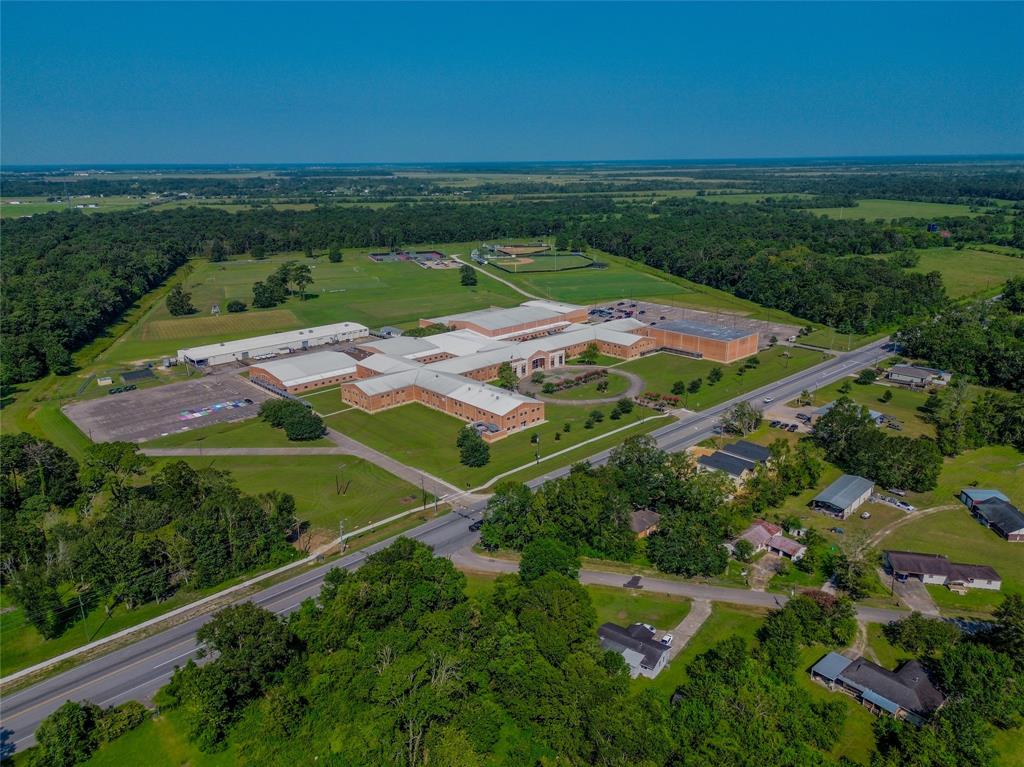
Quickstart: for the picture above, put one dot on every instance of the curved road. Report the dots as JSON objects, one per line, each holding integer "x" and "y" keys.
{"x": 140, "y": 669}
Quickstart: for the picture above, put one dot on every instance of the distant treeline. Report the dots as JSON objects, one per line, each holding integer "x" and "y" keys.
{"x": 68, "y": 275}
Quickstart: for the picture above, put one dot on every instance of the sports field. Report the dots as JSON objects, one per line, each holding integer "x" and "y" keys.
{"x": 660, "y": 371}
{"x": 970, "y": 272}
{"x": 890, "y": 209}
{"x": 542, "y": 262}
{"x": 419, "y": 436}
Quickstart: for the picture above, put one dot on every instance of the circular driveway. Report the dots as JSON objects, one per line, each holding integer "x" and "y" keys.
{"x": 636, "y": 385}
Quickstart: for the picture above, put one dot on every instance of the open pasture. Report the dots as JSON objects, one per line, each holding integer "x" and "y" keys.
{"x": 969, "y": 272}
{"x": 890, "y": 209}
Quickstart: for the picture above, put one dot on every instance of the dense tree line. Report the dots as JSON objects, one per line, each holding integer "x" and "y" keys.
{"x": 983, "y": 341}
{"x": 853, "y": 442}
{"x": 394, "y": 665}
{"x": 104, "y": 535}
{"x": 68, "y": 275}
{"x": 589, "y": 509}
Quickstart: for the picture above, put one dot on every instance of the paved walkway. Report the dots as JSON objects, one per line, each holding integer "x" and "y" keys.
{"x": 493, "y": 276}
{"x": 636, "y": 386}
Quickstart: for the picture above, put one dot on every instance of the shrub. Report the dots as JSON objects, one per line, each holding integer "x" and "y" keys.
{"x": 235, "y": 306}
{"x": 473, "y": 451}
{"x": 867, "y": 376}
{"x": 299, "y": 422}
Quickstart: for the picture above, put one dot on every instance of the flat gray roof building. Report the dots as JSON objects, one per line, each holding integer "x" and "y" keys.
{"x": 689, "y": 327}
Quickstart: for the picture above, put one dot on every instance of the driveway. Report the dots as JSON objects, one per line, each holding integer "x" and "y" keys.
{"x": 912, "y": 593}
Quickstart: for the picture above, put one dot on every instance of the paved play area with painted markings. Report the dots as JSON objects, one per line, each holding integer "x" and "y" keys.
{"x": 145, "y": 414}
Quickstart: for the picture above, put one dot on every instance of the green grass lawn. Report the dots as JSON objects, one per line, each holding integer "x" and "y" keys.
{"x": 969, "y": 272}
{"x": 661, "y": 370}
{"x": 425, "y": 438}
{"x": 617, "y": 385}
{"x": 357, "y": 290}
{"x": 885, "y": 654}
{"x": 628, "y": 606}
{"x": 724, "y": 622}
{"x": 890, "y": 209}
{"x": 370, "y": 493}
{"x": 327, "y": 401}
{"x": 903, "y": 405}
{"x": 857, "y": 739}
{"x": 253, "y": 432}
{"x": 160, "y": 742}
{"x": 543, "y": 262}
{"x": 827, "y": 338}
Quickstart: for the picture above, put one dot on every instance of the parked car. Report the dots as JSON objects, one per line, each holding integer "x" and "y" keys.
{"x": 836, "y": 530}
{"x": 897, "y": 491}
{"x": 667, "y": 640}
{"x": 649, "y": 627}
{"x": 476, "y": 525}
{"x": 803, "y": 417}
{"x": 793, "y": 427}
{"x": 115, "y": 390}
{"x": 642, "y": 311}
{"x": 129, "y": 387}
{"x": 865, "y": 515}
{"x": 775, "y": 424}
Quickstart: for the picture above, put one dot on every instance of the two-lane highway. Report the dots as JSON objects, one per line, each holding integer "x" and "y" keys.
{"x": 140, "y": 669}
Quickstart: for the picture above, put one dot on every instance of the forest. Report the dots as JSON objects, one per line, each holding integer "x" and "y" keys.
{"x": 102, "y": 534}
{"x": 393, "y": 664}
{"x": 67, "y": 276}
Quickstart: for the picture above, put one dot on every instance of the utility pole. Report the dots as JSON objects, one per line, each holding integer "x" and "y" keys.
{"x": 342, "y": 543}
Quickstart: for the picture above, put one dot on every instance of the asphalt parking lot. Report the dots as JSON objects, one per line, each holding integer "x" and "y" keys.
{"x": 145, "y": 414}
{"x": 648, "y": 312}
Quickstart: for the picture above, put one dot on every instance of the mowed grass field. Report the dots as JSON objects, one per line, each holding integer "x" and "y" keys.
{"x": 903, "y": 405}
{"x": 890, "y": 209}
{"x": 660, "y": 371}
{"x": 370, "y": 493}
{"x": 969, "y": 272}
{"x": 543, "y": 262}
{"x": 419, "y": 436}
{"x": 356, "y": 290}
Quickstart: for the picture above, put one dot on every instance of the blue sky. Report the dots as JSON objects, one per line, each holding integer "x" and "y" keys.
{"x": 389, "y": 82}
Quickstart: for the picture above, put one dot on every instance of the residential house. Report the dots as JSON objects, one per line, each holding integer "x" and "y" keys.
{"x": 936, "y": 569}
{"x": 764, "y": 536}
{"x": 748, "y": 451}
{"x": 643, "y": 522}
{"x": 907, "y": 693}
{"x": 994, "y": 510}
{"x": 636, "y": 644}
{"x": 738, "y": 469}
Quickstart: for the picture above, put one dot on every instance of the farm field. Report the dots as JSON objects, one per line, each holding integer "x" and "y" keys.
{"x": 969, "y": 272}
{"x": 890, "y": 209}
{"x": 31, "y": 206}
{"x": 370, "y": 493}
{"x": 425, "y": 438}
{"x": 253, "y": 432}
{"x": 661, "y": 370}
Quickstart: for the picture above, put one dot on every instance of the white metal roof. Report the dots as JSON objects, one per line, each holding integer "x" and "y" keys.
{"x": 465, "y": 390}
{"x": 496, "y": 319}
{"x": 307, "y": 368}
{"x": 386, "y": 363}
{"x": 553, "y": 306}
{"x": 402, "y": 346}
{"x": 282, "y": 340}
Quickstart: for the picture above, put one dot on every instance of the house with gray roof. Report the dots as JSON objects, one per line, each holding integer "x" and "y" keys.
{"x": 994, "y": 510}
{"x": 844, "y": 496}
{"x": 748, "y": 451}
{"x": 738, "y": 469}
{"x": 936, "y": 569}
{"x": 644, "y": 655}
{"x": 907, "y": 693}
